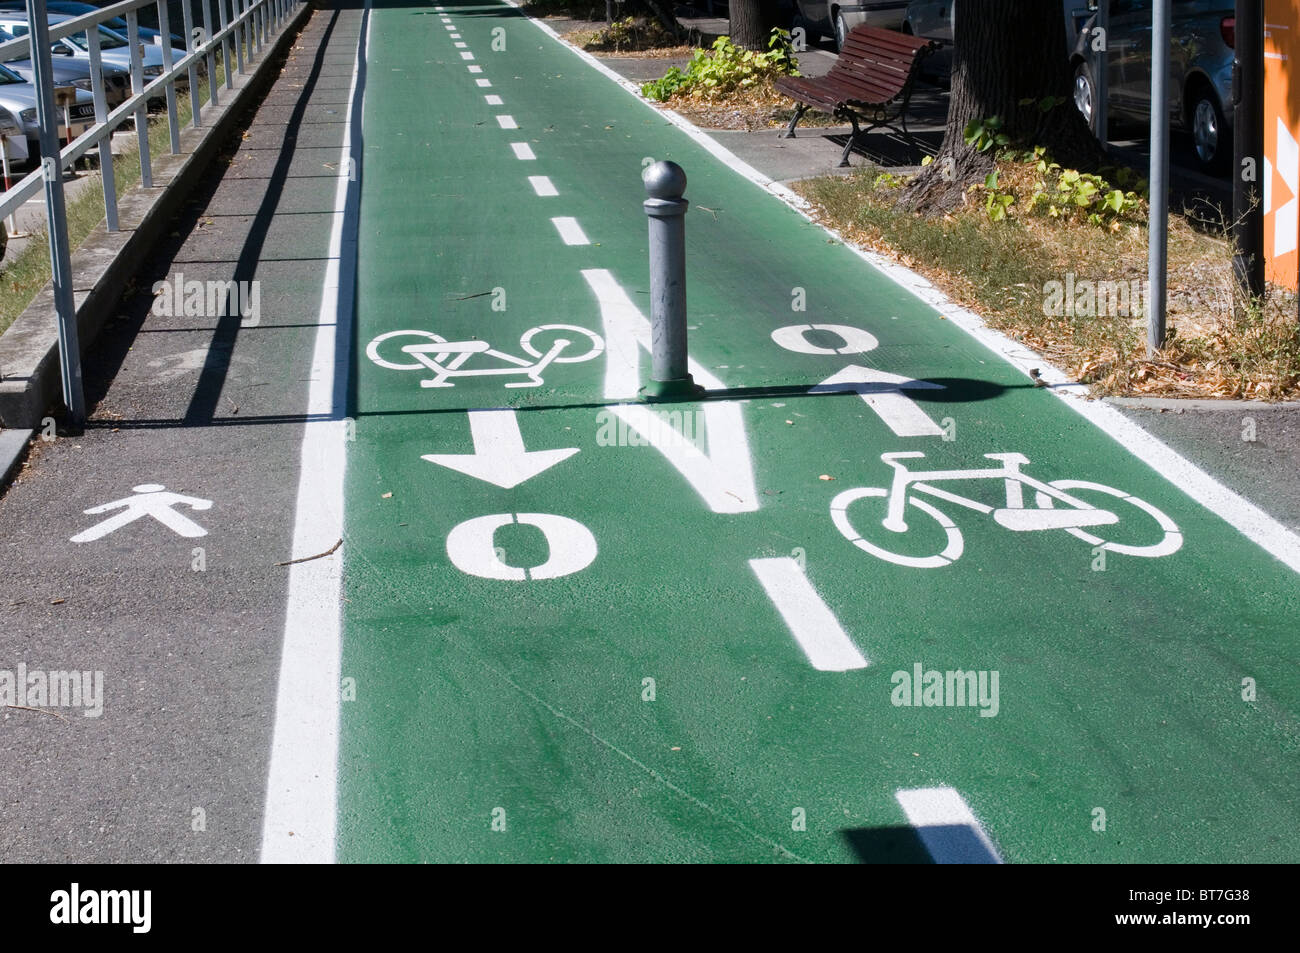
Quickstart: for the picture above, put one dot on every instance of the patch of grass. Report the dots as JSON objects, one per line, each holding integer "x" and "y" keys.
{"x": 1004, "y": 270}
{"x": 25, "y": 274}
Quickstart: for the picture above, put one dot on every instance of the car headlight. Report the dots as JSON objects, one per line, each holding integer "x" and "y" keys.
{"x": 28, "y": 115}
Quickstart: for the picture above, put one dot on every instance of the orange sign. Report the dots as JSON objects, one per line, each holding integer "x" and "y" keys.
{"x": 1281, "y": 142}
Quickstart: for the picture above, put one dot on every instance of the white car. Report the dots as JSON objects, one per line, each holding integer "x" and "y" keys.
{"x": 835, "y": 20}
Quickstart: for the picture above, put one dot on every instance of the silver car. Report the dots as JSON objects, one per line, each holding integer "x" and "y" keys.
{"x": 835, "y": 20}
{"x": 114, "y": 48}
{"x": 72, "y": 72}
{"x": 1200, "y": 78}
{"x": 19, "y": 97}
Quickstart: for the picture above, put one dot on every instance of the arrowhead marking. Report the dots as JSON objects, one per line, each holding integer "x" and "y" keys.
{"x": 499, "y": 456}
{"x": 883, "y": 393}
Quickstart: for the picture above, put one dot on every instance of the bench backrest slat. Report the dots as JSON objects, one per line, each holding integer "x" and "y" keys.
{"x": 875, "y": 65}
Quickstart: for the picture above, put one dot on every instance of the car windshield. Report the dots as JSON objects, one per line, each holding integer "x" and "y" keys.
{"x": 8, "y": 76}
{"x": 108, "y": 40}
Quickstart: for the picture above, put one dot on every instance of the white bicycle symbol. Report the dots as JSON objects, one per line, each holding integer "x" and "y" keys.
{"x": 1015, "y": 515}
{"x": 447, "y": 358}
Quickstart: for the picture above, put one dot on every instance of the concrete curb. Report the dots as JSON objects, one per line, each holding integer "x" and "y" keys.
{"x": 1181, "y": 404}
{"x": 106, "y": 261}
{"x": 13, "y": 443}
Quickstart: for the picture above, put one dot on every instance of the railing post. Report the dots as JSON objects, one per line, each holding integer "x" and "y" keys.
{"x": 106, "y": 176}
{"x": 142, "y": 110}
{"x": 225, "y": 44}
{"x": 173, "y": 122}
{"x": 212, "y": 53}
{"x": 56, "y": 218}
{"x": 665, "y": 183}
{"x": 196, "y": 106}
{"x": 236, "y": 11}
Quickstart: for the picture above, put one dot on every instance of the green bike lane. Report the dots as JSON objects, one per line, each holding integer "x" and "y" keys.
{"x": 651, "y": 701}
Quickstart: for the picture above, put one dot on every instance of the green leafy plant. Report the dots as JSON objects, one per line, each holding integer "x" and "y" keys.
{"x": 725, "y": 68}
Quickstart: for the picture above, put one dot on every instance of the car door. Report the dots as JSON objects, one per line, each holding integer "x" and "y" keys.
{"x": 1129, "y": 45}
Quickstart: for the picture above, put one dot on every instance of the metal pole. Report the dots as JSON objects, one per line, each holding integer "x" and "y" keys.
{"x": 56, "y": 218}
{"x": 665, "y": 183}
{"x": 1248, "y": 152}
{"x": 1157, "y": 227}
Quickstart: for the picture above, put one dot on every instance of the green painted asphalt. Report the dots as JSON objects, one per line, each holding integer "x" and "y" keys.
{"x": 501, "y": 720}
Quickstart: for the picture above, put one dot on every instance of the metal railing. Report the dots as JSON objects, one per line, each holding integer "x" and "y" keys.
{"x": 244, "y": 27}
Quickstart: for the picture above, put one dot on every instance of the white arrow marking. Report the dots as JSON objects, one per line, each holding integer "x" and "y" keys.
{"x": 882, "y": 392}
{"x": 499, "y": 456}
{"x": 724, "y": 477}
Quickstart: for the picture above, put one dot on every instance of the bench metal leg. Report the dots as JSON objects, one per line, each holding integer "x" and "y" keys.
{"x": 794, "y": 121}
{"x": 848, "y": 146}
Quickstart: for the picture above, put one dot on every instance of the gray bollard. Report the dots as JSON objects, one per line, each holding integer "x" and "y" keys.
{"x": 665, "y": 182}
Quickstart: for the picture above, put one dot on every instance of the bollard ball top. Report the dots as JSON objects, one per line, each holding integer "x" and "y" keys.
{"x": 664, "y": 180}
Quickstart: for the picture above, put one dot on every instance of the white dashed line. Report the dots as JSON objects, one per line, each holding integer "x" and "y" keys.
{"x": 467, "y": 56}
{"x": 947, "y": 826}
{"x": 461, "y": 45}
{"x": 484, "y": 82}
{"x": 522, "y": 150}
{"x": 475, "y": 69}
{"x": 455, "y": 36}
{"x": 809, "y": 619}
{"x": 570, "y": 231}
{"x": 542, "y": 186}
{"x": 507, "y": 122}
{"x": 493, "y": 100}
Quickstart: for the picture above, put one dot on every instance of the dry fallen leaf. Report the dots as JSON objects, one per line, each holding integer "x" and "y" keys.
{"x": 826, "y": 476}
{"x": 387, "y": 495}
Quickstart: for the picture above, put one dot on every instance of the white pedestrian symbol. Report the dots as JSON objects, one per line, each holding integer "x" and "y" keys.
{"x": 150, "y": 500}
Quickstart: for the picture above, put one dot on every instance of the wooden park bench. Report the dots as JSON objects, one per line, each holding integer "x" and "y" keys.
{"x": 870, "y": 82}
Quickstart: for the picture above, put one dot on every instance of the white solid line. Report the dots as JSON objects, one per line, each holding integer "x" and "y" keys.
{"x": 809, "y": 619}
{"x": 1248, "y": 519}
{"x": 483, "y": 83}
{"x": 475, "y": 69}
{"x": 947, "y": 826}
{"x": 542, "y": 185}
{"x": 492, "y": 99}
{"x": 507, "y": 122}
{"x": 570, "y": 231}
{"x": 467, "y": 56}
{"x": 522, "y": 150}
{"x": 299, "y": 822}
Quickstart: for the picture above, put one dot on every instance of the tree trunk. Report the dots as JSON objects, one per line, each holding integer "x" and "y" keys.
{"x": 1005, "y": 52}
{"x": 752, "y": 22}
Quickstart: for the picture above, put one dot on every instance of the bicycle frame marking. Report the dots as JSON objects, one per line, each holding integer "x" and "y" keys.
{"x": 1015, "y": 515}
{"x": 464, "y": 350}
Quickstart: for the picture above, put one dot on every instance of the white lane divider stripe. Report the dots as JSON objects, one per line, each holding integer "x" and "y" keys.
{"x": 507, "y": 122}
{"x": 570, "y": 231}
{"x": 461, "y": 45}
{"x": 483, "y": 83}
{"x": 475, "y": 69}
{"x": 947, "y": 826}
{"x": 810, "y": 620}
{"x": 492, "y": 99}
{"x": 523, "y": 150}
{"x": 467, "y": 56}
{"x": 542, "y": 186}
{"x": 299, "y": 819}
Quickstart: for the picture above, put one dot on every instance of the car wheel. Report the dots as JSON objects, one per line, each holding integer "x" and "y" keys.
{"x": 841, "y": 30}
{"x": 1209, "y": 131}
{"x": 1085, "y": 95}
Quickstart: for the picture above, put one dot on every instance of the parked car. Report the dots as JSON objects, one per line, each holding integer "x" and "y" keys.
{"x": 114, "y": 48}
{"x": 835, "y": 20}
{"x": 1200, "y": 79}
{"x": 72, "y": 72}
{"x": 72, "y": 9}
{"x": 19, "y": 97}
{"x": 933, "y": 19}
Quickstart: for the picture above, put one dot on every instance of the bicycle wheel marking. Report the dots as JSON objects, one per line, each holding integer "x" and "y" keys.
{"x": 951, "y": 552}
{"x": 1171, "y": 543}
